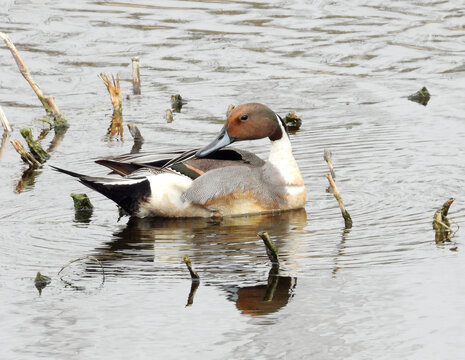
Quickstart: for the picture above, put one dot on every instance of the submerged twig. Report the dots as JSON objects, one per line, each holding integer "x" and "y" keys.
{"x": 47, "y": 101}
{"x": 135, "y": 76}
{"x": 337, "y": 195}
{"x": 194, "y": 275}
{"x": 4, "y": 120}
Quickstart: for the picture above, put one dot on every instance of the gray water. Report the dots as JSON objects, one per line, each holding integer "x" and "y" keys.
{"x": 383, "y": 289}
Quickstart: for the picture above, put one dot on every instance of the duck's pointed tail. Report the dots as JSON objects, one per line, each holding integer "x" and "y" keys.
{"x": 126, "y": 192}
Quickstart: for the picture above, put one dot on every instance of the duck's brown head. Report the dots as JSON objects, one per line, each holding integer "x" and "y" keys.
{"x": 247, "y": 122}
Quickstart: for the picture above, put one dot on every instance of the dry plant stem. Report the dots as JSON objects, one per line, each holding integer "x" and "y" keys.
{"x": 113, "y": 88}
{"x": 337, "y": 195}
{"x": 5, "y": 123}
{"x": 5, "y": 136}
{"x": 230, "y": 108}
{"x": 327, "y": 157}
{"x": 169, "y": 116}
{"x": 194, "y": 275}
{"x": 271, "y": 249}
{"x": 135, "y": 132}
{"x": 27, "y": 157}
{"x": 441, "y": 223}
{"x": 135, "y": 76}
{"x": 47, "y": 101}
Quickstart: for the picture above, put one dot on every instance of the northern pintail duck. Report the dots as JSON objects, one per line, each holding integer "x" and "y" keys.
{"x": 211, "y": 181}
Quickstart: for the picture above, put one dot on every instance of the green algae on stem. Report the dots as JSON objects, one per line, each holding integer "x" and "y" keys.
{"x": 441, "y": 223}
{"x": 41, "y": 281}
{"x": 422, "y": 96}
{"x": 177, "y": 102}
{"x": 34, "y": 146}
{"x": 271, "y": 249}
{"x": 293, "y": 122}
{"x": 81, "y": 202}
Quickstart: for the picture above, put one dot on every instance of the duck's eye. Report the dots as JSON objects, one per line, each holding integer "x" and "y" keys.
{"x": 244, "y": 117}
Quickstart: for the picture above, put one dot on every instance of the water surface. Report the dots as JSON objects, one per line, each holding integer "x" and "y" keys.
{"x": 382, "y": 289}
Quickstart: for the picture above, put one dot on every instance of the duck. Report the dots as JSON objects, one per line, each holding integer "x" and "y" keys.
{"x": 213, "y": 181}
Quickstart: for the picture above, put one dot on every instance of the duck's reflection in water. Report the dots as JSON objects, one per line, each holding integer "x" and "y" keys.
{"x": 226, "y": 248}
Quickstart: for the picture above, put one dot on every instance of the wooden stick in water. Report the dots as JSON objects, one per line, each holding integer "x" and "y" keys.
{"x": 47, "y": 101}
{"x": 135, "y": 76}
{"x": 337, "y": 195}
{"x": 271, "y": 249}
{"x": 27, "y": 157}
{"x": 327, "y": 157}
{"x": 4, "y": 120}
{"x": 194, "y": 275}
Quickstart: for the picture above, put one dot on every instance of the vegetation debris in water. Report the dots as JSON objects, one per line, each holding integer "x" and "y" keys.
{"x": 41, "y": 281}
{"x": 169, "y": 116}
{"x": 441, "y": 223}
{"x": 422, "y": 96}
{"x": 177, "y": 102}
{"x": 230, "y": 108}
{"x": 4, "y": 120}
{"x": 113, "y": 86}
{"x": 34, "y": 146}
{"x": 81, "y": 202}
{"x": 271, "y": 249}
{"x": 135, "y": 76}
{"x": 293, "y": 121}
{"x": 194, "y": 275}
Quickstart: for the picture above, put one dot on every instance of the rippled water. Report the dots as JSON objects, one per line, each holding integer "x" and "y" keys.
{"x": 382, "y": 289}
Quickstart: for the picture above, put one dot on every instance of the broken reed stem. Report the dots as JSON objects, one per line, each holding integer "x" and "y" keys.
{"x": 47, "y": 101}
{"x": 26, "y": 156}
{"x": 337, "y": 195}
{"x": 135, "y": 132}
{"x": 441, "y": 223}
{"x": 194, "y": 275}
{"x": 114, "y": 90}
{"x": 135, "y": 76}
{"x": 169, "y": 116}
{"x": 327, "y": 156}
{"x": 34, "y": 146}
{"x": 4, "y": 120}
{"x": 271, "y": 249}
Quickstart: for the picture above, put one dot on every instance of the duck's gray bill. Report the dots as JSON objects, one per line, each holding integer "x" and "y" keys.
{"x": 221, "y": 141}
